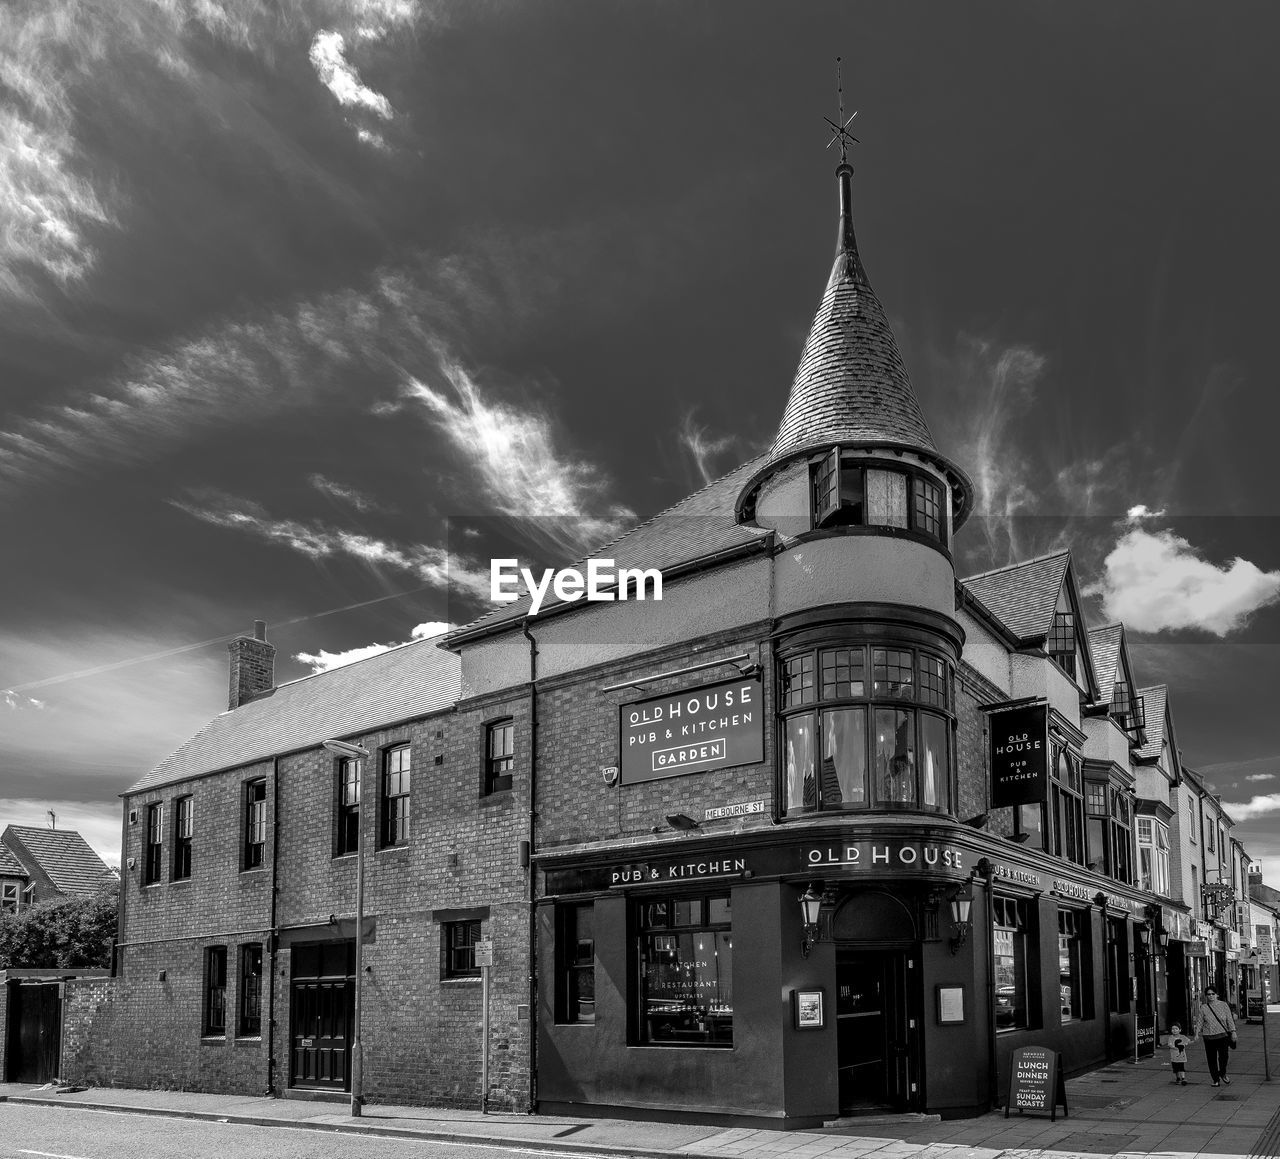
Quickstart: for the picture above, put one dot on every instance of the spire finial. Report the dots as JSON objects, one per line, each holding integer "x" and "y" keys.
{"x": 840, "y": 127}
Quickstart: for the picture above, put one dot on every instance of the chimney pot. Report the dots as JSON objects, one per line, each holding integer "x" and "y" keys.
{"x": 259, "y": 629}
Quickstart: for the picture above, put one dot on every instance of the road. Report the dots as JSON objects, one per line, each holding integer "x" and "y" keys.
{"x": 69, "y": 1133}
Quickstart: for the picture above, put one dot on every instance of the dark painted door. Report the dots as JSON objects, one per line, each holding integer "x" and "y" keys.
{"x": 321, "y": 1013}
{"x": 35, "y": 1024}
{"x": 871, "y": 1030}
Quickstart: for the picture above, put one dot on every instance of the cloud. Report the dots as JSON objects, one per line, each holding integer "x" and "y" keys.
{"x": 322, "y": 661}
{"x": 339, "y": 76}
{"x": 514, "y": 453}
{"x": 1141, "y": 512}
{"x": 16, "y": 702}
{"x": 430, "y": 630}
{"x": 1156, "y": 582}
{"x": 1256, "y": 807}
{"x": 704, "y": 449}
{"x": 1261, "y": 777}
{"x": 347, "y": 495}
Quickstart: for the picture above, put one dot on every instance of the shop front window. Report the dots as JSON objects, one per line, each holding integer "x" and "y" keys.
{"x": 1009, "y": 952}
{"x": 865, "y": 727}
{"x": 1070, "y": 980}
{"x": 686, "y": 971}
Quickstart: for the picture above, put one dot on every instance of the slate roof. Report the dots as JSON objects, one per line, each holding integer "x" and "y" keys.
{"x": 699, "y": 526}
{"x": 406, "y": 682}
{"x": 851, "y": 385}
{"x": 62, "y": 854}
{"x": 1105, "y": 644}
{"x": 10, "y": 866}
{"x": 1155, "y": 701}
{"x": 1022, "y": 596}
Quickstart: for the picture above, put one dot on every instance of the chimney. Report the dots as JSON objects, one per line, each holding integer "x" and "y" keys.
{"x": 253, "y": 665}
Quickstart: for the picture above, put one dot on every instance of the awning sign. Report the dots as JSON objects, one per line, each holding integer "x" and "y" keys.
{"x": 1019, "y": 756}
{"x": 713, "y": 727}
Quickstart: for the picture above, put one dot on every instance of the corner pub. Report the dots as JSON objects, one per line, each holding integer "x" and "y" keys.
{"x": 825, "y": 891}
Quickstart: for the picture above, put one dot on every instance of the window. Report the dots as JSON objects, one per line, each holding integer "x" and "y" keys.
{"x": 865, "y": 727}
{"x": 10, "y": 894}
{"x": 182, "y": 828}
{"x": 1070, "y": 981}
{"x": 849, "y": 491}
{"x": 686, "y": 971}
{"x": 215, "y": 990}
{"x": 1121, "y": 837}
{"x": 1067, "y": 807}
{"x": 255, "y": 823}
{"x": 350, "y": 774}
{"x": 1128, "y": 711}
{"x": 1118, "y": 972}
{"x": 458, "y": 949}
{"x": 499, "y": 755}
{"x": 1208, "y": 837}
{"x": 395, "y": 796}
{"x": 1191, "y": 828}
{"x": 1061, "y": 645}
{"x": 1196, "y": 901}
{"x": 154, "y": 861}
{"x": 578, "y": 964}
{"x": 250, "y": 1021}
{"x": 1009, "y": 946}
{"x": 1096, "y": 814}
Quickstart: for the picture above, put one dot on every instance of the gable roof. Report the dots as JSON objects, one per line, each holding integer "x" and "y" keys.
{"x": 698, "y": 527}
{"x": 413, "y": 680}
{"x": 61, "y": 854}
{"x": 1155, "y": 703}
{"x": 1022, "y": 596}
{"x": 1105, "y": 643}
{"x": 10, "y": 866}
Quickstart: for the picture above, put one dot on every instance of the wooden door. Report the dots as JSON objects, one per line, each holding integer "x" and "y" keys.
{"x": 35, "y": 1032}
{"x": 321, "y": 1011}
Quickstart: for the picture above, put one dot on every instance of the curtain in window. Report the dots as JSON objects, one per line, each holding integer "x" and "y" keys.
{"x": 886, "y": 498}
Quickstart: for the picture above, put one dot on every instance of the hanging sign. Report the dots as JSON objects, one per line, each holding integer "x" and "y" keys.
{"x": 716, "y": 726}
{"x": 1019, "y": 756}
{"x": 1036, "y": 1084}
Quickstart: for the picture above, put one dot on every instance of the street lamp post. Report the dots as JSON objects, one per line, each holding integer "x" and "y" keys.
{"x": 359, "y": 753}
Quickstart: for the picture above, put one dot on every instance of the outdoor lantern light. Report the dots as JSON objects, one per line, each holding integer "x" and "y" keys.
{"x": 961, "y": 909}
{"x": 810, "y": 907}
{"x": 355, "y": 752}
{"x": 1163, "y": 936}
{"x": 681, "y": 821}
{"x": 1143, "y": 935}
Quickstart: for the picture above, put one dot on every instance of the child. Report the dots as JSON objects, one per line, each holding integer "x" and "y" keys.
{"x": 1178, "y": 1054}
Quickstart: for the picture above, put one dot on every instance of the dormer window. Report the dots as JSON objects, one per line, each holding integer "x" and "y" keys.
{"x": 1127, "y": 709}
{"x": 851, "y": 491}
{"x": 1061, "y": 645}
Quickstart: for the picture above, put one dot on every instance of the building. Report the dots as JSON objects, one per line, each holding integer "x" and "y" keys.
{"x": 825, "y": 830}
{"x": 56, "y": 863}
{"x": 14, "y": 882}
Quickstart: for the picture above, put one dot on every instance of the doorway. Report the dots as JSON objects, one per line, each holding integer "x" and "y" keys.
{"x": 321, "y": 1015}
{"x": 872, "y": 1048}
{"x": 35, "y": 1032}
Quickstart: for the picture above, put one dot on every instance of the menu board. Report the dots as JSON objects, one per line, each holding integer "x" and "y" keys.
{"x": 1255, "y": 1007}
{"x": 1036, "y": 1084}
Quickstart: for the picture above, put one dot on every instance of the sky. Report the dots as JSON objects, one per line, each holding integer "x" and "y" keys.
{"x": 288, "y": 285}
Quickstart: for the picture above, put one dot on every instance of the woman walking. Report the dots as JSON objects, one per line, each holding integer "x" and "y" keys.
{"x": 1214, "y": 1023}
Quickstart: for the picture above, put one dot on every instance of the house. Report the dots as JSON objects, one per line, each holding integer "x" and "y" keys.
{"x": 55, "y": 862}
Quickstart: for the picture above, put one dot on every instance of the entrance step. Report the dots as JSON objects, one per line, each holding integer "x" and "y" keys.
{"x": 881, "y": 1117}
{"x": 305, "y": 1095}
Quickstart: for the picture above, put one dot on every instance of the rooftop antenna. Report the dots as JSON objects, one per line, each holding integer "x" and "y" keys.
{"x": 840, "y": 126}
{"x": 53, "y": 819}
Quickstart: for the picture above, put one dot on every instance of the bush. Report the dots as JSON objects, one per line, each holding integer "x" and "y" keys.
{"x": 61, "y": 934}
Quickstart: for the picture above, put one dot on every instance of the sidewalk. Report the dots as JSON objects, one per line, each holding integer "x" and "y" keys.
{"x": 1122, "y": 1109}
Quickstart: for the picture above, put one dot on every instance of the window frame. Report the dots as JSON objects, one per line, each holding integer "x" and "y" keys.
{"x": 499, "y": 766}
{"x": 574, "y": 964}
{"x": 183, "y": 829}
{"x": 253, "y": 844}
{"x": 1013, "y": 916}
{"x": 650, "y": 924}
{"x": 1063, "y": 629}
{"x": 393, "y": 806}
{"x": 458, "y": 940}
{"x": 347, "y": 825}
{"x": 1072, "y": 936}
{"x": 832, "y": 475}
{"x": 153, "y": 852}
{"x": 10, "y": 896}
{"x": 214, "y": 1023}
{"x": 830, "y": 685}
{"x": 249, "y": 992}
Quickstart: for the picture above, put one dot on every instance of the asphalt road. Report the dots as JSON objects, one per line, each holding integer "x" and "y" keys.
{"x": 68, "y": 1133}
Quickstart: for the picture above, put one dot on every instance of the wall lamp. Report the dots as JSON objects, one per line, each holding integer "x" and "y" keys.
{"x": 683, "y": 822}
{"x": 810, "y": 909}
{"x": 961, "y": 909}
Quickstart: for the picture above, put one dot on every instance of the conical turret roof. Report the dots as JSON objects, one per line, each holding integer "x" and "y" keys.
{"x": 851, "y": 386}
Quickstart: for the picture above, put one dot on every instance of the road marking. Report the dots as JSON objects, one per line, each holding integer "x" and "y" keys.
{"x": 48, "y": 1154}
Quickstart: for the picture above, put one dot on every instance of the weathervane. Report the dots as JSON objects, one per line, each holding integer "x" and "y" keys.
{"x": 840, "y": 128}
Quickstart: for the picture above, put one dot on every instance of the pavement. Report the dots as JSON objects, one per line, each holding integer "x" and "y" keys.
{"x": 1123, "y": 1109}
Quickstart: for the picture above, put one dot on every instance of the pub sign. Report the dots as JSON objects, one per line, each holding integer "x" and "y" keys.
{"x": 1019, "y": 756}
{"x": 694, "y": 731}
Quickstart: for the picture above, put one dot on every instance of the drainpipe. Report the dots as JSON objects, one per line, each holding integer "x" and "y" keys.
{"x": 987, "y": 871}
{"x": 533, "y": 922}
{"x": 273, "y": 939}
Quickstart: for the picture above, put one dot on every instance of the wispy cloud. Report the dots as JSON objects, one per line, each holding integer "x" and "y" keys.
{"x": 344, "y": 494}
{"x": 340, "y": 77}
{"x": 1255, "y": 807}
{"x": 1261, "y": 777}
{"x": 322, "y": 661}
{"x": 703, "y": 447}
{"x": 513, "y": 451}
{"x": 1156, "y": 581}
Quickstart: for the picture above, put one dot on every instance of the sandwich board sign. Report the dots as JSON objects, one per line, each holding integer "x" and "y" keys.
{"x": 1036, "y": 1085}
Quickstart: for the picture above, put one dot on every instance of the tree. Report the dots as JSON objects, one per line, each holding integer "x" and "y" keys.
{"x": 61, "y": 934}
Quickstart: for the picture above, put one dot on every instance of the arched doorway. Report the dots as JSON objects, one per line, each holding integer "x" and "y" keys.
{"x": 876, "y": 939}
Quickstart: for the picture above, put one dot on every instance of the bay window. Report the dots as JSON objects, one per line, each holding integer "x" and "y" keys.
{"x": 853, "y": 491}
{"x": 865, "y": 726}
{"x": 1153, "y": 856}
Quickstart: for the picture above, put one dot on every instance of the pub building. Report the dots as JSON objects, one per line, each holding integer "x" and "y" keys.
{"x": 824, "y": 831}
